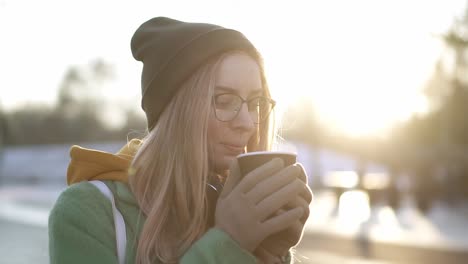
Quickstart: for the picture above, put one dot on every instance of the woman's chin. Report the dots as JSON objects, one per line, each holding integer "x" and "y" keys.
{"x": 224, "y": 163}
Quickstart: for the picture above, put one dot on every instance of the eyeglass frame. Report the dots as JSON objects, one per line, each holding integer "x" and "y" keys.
{"x": 243, "y": 101}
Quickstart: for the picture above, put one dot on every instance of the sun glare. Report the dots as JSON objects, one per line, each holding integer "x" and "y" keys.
{"x": 364, "y": 95}
{"x": 354, "y": 208}
{"x": 362, "y": 68}
{"x": 341, "y": 179}
{"x": 362, "y": 81}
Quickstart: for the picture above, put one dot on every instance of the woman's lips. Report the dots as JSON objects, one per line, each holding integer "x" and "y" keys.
{"x": 236, "y": 149}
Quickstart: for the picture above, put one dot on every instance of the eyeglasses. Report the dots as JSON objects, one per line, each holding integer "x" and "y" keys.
{"x": 228, "y": 105}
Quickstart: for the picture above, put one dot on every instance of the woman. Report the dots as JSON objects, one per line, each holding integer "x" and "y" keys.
{"x": 206, "y": 101}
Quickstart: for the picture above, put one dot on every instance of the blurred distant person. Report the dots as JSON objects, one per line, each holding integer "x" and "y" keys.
{"x": 393, "y": 195}
{"x": 3, "y": 138}
{"x": 3, "y": 128}
{"x": 179, "y": 190}
{"x": 424, "y": 189}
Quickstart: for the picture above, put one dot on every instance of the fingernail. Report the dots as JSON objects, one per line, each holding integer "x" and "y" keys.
{"x": 299, "y": 167}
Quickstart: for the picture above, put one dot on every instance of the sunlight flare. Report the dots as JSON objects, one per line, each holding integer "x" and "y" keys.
{"x": 353, "y": 208}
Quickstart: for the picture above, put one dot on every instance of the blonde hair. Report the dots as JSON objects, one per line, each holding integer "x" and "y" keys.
{"x": 171, "y": 169}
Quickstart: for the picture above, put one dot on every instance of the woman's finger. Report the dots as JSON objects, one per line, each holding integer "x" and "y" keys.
{"x": 303, "y": 174}
{"x": 272, "y": 184}
{"x": 278, "y": 199}
{"x": 265, "y": 257}
{"x": 282, "y": 221}
{"x": 259, "y": 174}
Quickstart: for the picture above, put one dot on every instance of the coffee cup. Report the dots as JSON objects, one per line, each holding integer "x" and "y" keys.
{"x": 251, "y": 160}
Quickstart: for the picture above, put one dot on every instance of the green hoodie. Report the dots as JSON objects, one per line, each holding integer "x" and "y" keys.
{"x": 81, "y": 225}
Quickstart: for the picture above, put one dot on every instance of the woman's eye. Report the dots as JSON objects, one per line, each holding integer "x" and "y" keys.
{"x": 222, "y": 100}
{"x": 226, "y": 101}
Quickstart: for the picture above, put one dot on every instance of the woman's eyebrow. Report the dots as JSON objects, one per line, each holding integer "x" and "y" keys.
{"x": 225, "y": 88}
{"x": 234, "y": 91}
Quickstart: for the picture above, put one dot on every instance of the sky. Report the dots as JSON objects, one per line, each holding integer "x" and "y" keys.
{"x": 363, "y": 63}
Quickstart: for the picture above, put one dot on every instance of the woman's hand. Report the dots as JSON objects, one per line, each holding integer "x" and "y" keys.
{"x": 248, "y": 208}
{"x": 280, "y": 243}
{"x": 265, "y": 257}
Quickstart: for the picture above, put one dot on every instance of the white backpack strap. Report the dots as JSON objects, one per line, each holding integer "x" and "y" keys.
{"x": 119, "y": 223}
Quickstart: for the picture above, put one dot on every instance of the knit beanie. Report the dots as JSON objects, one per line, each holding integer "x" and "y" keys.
{"x": 171, "y": 51}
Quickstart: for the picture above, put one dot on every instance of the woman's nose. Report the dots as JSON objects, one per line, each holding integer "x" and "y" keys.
{"x": 244, "y": 119}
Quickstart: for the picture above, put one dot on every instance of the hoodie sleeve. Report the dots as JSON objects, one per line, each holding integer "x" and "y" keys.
{"x": 81, "y": 227}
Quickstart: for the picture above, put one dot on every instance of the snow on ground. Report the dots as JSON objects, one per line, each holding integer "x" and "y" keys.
{"x": 443, "y": 227}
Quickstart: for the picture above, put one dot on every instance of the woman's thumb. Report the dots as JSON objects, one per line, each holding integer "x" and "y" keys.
{"x": 232, "y": 180}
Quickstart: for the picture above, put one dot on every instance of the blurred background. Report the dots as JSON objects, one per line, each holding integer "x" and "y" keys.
{"x": 372, "y": 95}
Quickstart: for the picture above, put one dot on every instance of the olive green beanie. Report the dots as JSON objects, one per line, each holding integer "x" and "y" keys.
{"x": 171, "y": 51}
